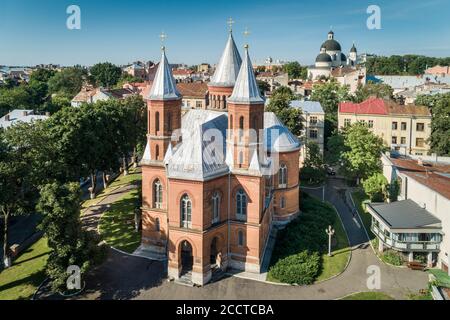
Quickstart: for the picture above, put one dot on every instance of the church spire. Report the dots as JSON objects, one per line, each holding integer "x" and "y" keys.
{"x": 164, "y": 87}
{"x": 228, "y": 67}
{"x": 246, "y": 90}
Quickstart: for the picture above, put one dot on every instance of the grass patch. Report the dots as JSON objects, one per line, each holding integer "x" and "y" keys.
{"x": 28, "y": 271}
{"x": 117, "y": 224}
{"x": 392, "y": 257}
{"x": 371, "y": 295}
{"x": 307, "y": 233}
{"x": 134, "y": 175}
{"x": 360, "y": 199}
{"x": 420, "y": 296}
{"x": 442, "y": 277}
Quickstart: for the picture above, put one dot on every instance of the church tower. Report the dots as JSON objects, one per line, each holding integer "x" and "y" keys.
{"x": 353, "y": 56}
{"x": 246, "y": 118}
{"x": 164, "y": 117}
{"x": 224, "y": 78}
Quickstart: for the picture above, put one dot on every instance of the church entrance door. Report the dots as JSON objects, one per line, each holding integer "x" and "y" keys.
{"x": 187, "y": 260}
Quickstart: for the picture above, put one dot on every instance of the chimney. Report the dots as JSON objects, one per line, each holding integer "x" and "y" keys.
{"x": 24, "y": 113}
{"x": 7, "y": 118}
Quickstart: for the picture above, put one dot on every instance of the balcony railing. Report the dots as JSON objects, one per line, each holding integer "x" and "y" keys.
{"x": 405, "y": 245}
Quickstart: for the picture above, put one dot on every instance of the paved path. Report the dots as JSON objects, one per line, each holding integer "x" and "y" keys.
{"x": 129, "y": 277}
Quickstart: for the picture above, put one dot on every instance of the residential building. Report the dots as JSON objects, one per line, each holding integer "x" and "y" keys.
{"x": 182, "y": 75}
{"x": 402, "y": 83}
{"x": 274, "y": 80}
{"x": 203, "y": 68}
{"x": 211, "y": 196}
{"x": 195, "y": 95}
{"x": 84, "y": 96}
{"x": 405, "y": 129}
{"x": 438, "y": 71}
{"x": 350, "y": 76}
{"x": 419, "y": 223}
{"x": 136, "y": 70}
{"x": 17, "y": 116}
{"x": 91, "y": 95}
{"x": 313, "y": 121}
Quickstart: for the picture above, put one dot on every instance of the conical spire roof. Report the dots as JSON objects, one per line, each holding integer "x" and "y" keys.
{"x": 164, "y": 86}
{"x": 228, "y": 68}
{"x": 246, "y": 89}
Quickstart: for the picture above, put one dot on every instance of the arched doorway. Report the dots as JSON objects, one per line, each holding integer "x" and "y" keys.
{"x": 213, "y": 253}
{"x": 187, "y": 259}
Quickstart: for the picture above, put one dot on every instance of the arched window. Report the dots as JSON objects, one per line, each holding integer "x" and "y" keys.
{"x": 282, "y": 176}
{"x": 157, "y": 152}
{"x": 224, "y": 102}
{"x": 157, "y": 225}
{"x": 241, "y": 128}
{"x": 283, "y": 202}
{"x": 240, "y": 238}
{"x": 186, "y": 211}
{"x": 157, "y": 194}
{"x": 216, "y": 207}
{"x": 241, "y": 203}
{"x": 241, "y": 158}
{"x": 169, "y": 121}
{"x": 157, "y": 122}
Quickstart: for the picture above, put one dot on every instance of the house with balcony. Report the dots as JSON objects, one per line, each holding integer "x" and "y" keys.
{"x": 419, "y": 222}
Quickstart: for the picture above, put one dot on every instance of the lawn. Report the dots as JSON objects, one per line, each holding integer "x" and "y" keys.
{"x": 371, "y": 295}
{"x": 308, "y": 233}
{"x": 442, "y": 277}
{"x": 26, "y": 274}
{"x": 133, "y": 176}
{"x": 117, "y": 224}
{"x": 360, "y": 198}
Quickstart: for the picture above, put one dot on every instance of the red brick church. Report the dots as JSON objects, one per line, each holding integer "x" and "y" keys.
{"x": 215, "y": 181}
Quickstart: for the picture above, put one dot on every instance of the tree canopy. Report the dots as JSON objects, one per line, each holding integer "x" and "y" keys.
{"x": 403, "y": 65}
{"x": 370, "y": 89}
{"x": 280, "y": 105}
{"x": 105, "y": 74}
{"x": 295, "y": 70}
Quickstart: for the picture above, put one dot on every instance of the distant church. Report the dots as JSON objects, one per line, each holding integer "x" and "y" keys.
{"x": 212, "y": 190}
{"x": 331, "y": 57}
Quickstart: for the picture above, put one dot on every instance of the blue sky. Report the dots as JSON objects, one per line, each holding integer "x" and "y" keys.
{"x": 34, "y": 31}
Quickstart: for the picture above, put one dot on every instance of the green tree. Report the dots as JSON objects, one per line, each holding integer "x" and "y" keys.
{"x": 330, "y": 94}
{"x": 263, "y": 87}
{"x": 362, "y": 157}
{"x": 379, "y": 90}
{"x": 68, "y": 82}
{"x": 280, "y": 105}
{"x": 376, "y": 187}
{"x": 42, "y": 75}
{"x": 105, "y": 74}
{"x": 335, "y": 148}
{"x": 313, "y": 169}
{"x": 127, "y": 78}
{"x": 70, "y": 245}
{"x": 295, "y": 70}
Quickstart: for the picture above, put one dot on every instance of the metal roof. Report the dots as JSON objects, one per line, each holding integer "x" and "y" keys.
{"x": 228, "y": 67}
{"x": 405, "y": 214}
{"x": 164, "y": 87}
{"x": 307, "y": 106}
{"x": 246, "y": 89}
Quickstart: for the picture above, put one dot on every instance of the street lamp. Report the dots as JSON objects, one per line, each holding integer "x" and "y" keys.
{"x": 330, "y": 233}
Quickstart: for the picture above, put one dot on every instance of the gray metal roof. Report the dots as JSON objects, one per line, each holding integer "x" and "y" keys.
{"x": 246, "y": 89}
{"x": 228, "y": 67}
{"x": 307, "y": 106}
{"x": 17, "y": 116}
{"x": 323, "y": 57}
{"x": 164, "y": 87}
{"x": 405, "y": 214}
{"x": 194, "y": 159}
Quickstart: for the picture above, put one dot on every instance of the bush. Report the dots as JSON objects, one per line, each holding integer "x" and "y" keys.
{"x": 392, "y": 257}
{"x": 301, "y": 268}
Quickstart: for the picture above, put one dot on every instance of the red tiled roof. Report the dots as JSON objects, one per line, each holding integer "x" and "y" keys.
{"x": 193, "y": 89}
{"x": 182, "y": 72}
{"x": 380, "y": 106}
{"x": 426, "y": 174}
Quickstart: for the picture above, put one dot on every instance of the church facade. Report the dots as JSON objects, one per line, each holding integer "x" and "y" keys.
{"x": 215, "y": 181}
{"x": 332, "y": 57}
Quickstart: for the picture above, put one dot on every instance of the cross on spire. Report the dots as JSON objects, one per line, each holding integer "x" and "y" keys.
{"x": 230, "y": 23}
{"x": 246, "y": 35}
{"x": 163, "y": 37}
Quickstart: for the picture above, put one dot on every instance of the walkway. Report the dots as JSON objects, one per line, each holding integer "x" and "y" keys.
{"x": 128, "y": 277}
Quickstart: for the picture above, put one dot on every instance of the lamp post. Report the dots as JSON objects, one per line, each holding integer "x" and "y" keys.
{"x": 330, "y": 233}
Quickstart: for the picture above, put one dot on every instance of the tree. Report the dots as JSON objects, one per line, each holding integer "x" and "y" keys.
{"x": 313, "y": 166}
{"x": 127, "y": 78}
{"x": 295, "y": 70}
{"x": 280, "y": 105}
{"x": 20, "y": 169}
{"x": 105, "y": 74}
{"x": 330, "y": 94}
{"x": 362, "y": 157}
{"x": 42, "y": 75}
{"x": 376, "y": 187}
{"x": 263, "y": 87}
{"x": 335, "y": 148}
{"x": 68, "y": 82}
{"x": 371, "y": 89}
{"x": 440, "y": 122}
{"x": 70, "y": 245}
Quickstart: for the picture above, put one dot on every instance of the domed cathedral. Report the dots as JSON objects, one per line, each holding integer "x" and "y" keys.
{"x": 331, "y": 57}
{"x": 224, "y": 78}
{"x": 213, "y": 190}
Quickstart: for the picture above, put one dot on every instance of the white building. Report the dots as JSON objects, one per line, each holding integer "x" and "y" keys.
{"x": 419, "y": 223}
{"x": 17, "y": 116}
